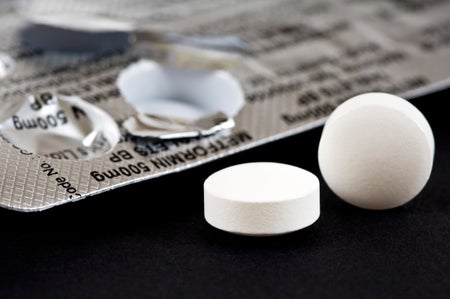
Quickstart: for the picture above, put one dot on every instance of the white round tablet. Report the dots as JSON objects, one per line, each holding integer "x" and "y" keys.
{"x": 261, "y": 199}
{"x": 376, "y": 151}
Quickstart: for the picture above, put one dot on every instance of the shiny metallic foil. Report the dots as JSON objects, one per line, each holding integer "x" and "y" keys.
{"x": 295, "y": 62}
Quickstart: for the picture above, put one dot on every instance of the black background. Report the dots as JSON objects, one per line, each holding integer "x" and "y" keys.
{"x": 150, "y": 239}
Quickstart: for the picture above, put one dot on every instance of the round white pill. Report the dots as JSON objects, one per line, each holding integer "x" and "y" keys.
{"x": 376, "y": 151}
{"x": 261, "y": 199}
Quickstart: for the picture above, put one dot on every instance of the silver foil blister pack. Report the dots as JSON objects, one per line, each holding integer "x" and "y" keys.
{"x": 95, "y": 97}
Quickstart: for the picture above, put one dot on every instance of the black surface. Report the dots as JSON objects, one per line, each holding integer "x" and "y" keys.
{"x": 150, "y": 240}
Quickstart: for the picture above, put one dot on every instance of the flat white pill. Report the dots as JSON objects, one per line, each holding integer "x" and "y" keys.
{"x": 376, "y": 151}
{"x": 261, "y": 199}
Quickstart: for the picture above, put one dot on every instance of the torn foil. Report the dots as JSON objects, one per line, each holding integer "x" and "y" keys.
{"x": 47, "y": 123}
{"x": 173, "y": 102}
{"x": 301, "y": 60}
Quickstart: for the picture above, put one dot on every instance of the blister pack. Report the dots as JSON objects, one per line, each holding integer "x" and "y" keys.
{"x": 95, "y": 96}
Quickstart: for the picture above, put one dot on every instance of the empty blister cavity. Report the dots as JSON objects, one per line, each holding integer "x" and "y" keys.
{"x": 76, "y": 33}
{"x": 172, "y": 102}
{"x": 92, "y": 33}
{"x": 58, "y": 126}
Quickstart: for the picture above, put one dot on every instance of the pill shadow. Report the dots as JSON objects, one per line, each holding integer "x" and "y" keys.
{"x": 171, "y": 206}
{"x": 304, "y": 238}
